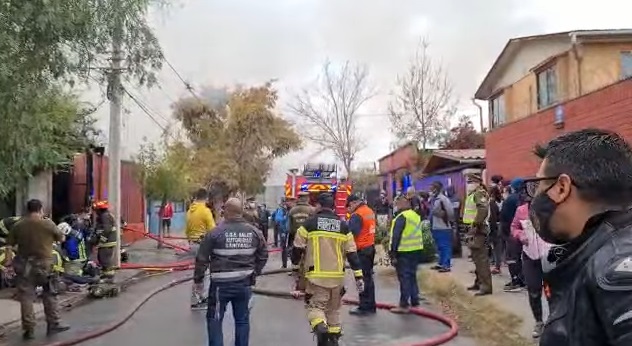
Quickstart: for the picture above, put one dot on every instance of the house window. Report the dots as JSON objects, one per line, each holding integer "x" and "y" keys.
{"x": 547, "y": 87}
{"x": 498, "y": 111}
{"x": 626, "y": 64}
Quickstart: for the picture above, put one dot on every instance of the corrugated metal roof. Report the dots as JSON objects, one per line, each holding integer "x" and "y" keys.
{"x": 461, "y": 154}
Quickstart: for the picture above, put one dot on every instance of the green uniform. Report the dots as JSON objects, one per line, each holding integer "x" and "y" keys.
{"x": 477, "y": 239}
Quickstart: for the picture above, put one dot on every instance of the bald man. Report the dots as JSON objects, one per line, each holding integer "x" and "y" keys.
{"x": 236, "y": 252}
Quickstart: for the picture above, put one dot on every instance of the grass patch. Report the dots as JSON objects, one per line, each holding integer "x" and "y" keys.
{"x": 479, "y": 318}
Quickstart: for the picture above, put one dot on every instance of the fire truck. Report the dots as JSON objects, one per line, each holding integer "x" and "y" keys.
{"x": 320, "y": 178}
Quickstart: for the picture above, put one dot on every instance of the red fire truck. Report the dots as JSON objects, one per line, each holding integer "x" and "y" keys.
{"x": 317, "y": 179}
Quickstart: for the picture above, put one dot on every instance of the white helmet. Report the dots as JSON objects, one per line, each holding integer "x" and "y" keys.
{"x": 64, "y": 227}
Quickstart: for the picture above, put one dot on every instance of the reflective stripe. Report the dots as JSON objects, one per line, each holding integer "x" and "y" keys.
{"x": 109, "y": 244}
{"x": 335, "y": 330}
{"x": 232, "y": 274}
{"x": 234, "y": 252}
{"x": 469, "y": 210}
{"x": 302, "y": 232}
{"x": 331, "y": 235}
{"x": 58, "y": 263}
{"x": 357, "y": 273}
{"x": 313, "y": 323}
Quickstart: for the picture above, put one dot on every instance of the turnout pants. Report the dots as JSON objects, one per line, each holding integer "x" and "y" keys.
{"x": 29, "y": 275}
{"x": 238, "y": 295}
{"x": 323, "y": 306}
{"x": 480, "y": 258}
{"x": 406, "y": 268}
{"x": 105, "y": 256}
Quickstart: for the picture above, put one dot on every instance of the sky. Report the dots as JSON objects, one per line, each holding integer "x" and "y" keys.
{"x": 224, "y": 42}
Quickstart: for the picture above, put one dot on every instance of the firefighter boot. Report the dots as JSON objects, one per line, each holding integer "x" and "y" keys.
{"x": 321, "y": 334}
{"x": 333, "y": 339}
{"x": 56, "y": 328}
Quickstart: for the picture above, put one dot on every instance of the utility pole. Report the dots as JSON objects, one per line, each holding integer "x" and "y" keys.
{"x": 115, "y": 92}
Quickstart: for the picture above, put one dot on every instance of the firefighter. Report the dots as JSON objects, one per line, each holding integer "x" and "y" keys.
{"x": 295, "y": 219}
{"x": 105, "y": 233}
{"x": 322, "y": 241}
{"x": 475, "y": 213}
{"x": 6, "y": 252}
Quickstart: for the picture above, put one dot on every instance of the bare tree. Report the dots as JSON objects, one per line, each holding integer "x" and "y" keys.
{"x": 423, "y": 102}
{"x": 328, "y": 110}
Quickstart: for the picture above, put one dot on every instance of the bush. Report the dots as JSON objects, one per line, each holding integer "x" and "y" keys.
{"x": 429, "y": 252}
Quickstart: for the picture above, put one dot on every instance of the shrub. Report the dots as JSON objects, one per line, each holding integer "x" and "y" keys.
{"x": 428, "y": 253}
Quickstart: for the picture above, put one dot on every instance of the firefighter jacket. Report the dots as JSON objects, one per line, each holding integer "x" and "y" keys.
{"x": 105, "y": 229}
{"x": 5, "y": 226}
{"x": 325, "y": 240}
{"x": 589, "y": 285}
{"x": 235, "y": 251}
{"x": 298, "y": 215}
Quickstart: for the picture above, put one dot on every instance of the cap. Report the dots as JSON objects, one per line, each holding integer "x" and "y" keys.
{"x": 517, "y": 183}
{"x": 353, "y": 198}
{"x": 303, "y": 193}
{"x": 474, "y": 177}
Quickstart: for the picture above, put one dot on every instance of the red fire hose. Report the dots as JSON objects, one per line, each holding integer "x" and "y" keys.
{"x": 437, "y": 340}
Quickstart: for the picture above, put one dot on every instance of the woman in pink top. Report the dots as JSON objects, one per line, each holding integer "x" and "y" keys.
{"x": 533, "y": 250}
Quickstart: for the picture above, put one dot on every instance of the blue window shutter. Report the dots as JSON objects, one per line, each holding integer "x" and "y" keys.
{"x": 626, "y": 65}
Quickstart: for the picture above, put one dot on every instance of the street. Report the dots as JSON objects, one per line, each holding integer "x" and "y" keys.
{"x": 167, "y": 320}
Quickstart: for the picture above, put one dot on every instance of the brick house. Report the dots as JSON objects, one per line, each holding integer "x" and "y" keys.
{"x": 542, "y": 86}
{"x": 394, "y": 169}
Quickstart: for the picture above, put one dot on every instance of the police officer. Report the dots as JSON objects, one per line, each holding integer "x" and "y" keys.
{"x": 296, "y": 218}
{"x": 581, "y": 199}
{"x": 322, "y": 242}
{"x": 250, "y": 212}
{"x": 236, "y": 253}
{"x": 362, "y": 225}
{"x": 34, "y": 237}
{"x": 475, "y": 213}
{"x": 105, "y": 232}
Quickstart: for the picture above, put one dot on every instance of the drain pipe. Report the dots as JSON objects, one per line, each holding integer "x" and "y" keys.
{"x": 480, "y": 114}
{"x": 578, "y": 62}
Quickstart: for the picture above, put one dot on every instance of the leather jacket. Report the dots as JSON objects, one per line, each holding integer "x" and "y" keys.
{"x": 590, "y": 286}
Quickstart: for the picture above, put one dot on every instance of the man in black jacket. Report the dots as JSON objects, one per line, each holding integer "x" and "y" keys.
{"x": 513, "y": 247}
{"x": 236, "y": 253}
{"x": 581, "y": 202}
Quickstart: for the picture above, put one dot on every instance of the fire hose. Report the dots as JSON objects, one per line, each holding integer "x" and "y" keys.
{"x": 437, "y": 340}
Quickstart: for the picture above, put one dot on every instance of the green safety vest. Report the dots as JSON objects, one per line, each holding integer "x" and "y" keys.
{"x": 469, "y": 210}
{"x": 412, "y": 236}
{"x": 58, "y": 262}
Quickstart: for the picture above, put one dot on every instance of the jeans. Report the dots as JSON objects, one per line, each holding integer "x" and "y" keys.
{"x": 196, "y": 297}
{"x": 367, "y": 297}
{"x": 238, "y": 294}
{"x": 443, "y": 241}
{"x": 514, "y": 260}
{"x": 406, "y": 268}
{"x": 284, "y": 249}
{"x": 533, "y": 276}
{"x": 277, "y": 235}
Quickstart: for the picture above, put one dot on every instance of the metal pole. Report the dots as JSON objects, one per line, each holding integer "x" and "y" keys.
{"x": 114, "y": 145}
{"x": 294, "y": 171}
{"x": 480, "y": 114}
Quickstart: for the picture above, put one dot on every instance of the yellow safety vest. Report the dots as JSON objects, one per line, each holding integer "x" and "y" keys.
{"x": 412, "y": 236}
{"x": 58, "y": 262}
{"x": 469, "y": 210}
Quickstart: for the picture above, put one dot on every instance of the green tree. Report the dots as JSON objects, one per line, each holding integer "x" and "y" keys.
{"x": 45, "y": 48}
{"x": 237, "y": 138}
{"x": 165, "y": 172}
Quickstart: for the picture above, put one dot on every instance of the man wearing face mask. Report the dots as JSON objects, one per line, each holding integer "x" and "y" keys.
{"x": 475, "y": 214}
{"x": 582, "y": 195}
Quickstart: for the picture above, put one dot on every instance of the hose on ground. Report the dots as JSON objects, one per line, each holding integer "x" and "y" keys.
{"x": 437, "y": 340}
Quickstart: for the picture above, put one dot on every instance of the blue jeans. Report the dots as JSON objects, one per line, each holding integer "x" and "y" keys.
{"x": 443, "y": 241}
{"x": 238, "y": 295}
{"x": 406, "y": 268}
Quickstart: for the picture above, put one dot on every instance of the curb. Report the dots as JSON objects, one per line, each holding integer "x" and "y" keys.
{"x": 73, "y": 301}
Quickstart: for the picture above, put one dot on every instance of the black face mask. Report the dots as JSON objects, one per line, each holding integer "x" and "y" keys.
{"x": 541, "y": 211}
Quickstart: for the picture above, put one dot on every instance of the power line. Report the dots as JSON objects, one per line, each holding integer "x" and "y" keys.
{"x": 146, "y": 105}
{"x": 148, "y": 113}
{"x": 187, "y": 85}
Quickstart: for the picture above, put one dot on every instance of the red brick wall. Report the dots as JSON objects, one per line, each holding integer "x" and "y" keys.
{"x": 400, "y": 158}
{"x": 508, "y": 149}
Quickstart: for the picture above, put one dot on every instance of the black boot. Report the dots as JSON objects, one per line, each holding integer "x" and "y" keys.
{"x": 28, "y": 334}
{"x": 320, "y": 330}
{"x": 56, "y": 328}
{"x": 333, "y": 339}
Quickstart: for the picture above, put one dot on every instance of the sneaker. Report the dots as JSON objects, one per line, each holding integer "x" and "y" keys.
{"x": 537, "y": 330}
{"x": 512, "y": 288}
{"x": 201, "y": 305}
{"x": 436, "y": 267}
{"x": 56, "y": 328}
{"x": 444, "y": 270}
{"x": 400, "y": 310}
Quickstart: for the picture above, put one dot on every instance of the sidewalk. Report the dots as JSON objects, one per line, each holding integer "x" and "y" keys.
{"x": 514, "y": 302}
{"x": 143, "y": 251}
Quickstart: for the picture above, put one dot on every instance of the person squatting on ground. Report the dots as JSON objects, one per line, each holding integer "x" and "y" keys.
{"x": 581, "y": 199}
{"x": 297, "y": 216}
{"x": 199, "y": 221}
{"x": 236, "y": 252}
{"x": 534, "y": 250}
{"x": 475, "y": 214}
{"x": 495, "y": 239}
{"x": 406, "y": 244}
{"x": 441, "y": 216}
{"x": 281, "y": 231}
{"x": 322, "y": 242}
{"x": 362, "y": 224}
{"x": 34, "y": 237}
{"x": 513, "y": 247}
{"x": 105, "y": 232}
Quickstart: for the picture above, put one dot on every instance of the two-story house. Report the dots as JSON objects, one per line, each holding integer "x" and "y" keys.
{"x": 541, "y": 86}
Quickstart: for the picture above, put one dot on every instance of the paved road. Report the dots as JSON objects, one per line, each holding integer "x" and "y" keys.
{"x": 167, "y": 320}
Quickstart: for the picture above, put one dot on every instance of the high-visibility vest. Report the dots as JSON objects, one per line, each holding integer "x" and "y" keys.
{"x": 469, "y": 209}
{"x": 366, "y": 237}
{"x": 58, "y": 262}
{"x": 412, "y": 236}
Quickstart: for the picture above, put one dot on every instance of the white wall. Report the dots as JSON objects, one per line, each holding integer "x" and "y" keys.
{"x": 39, "y": 187}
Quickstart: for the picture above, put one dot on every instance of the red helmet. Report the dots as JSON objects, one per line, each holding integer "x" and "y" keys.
{"x": 101, "y": 205}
